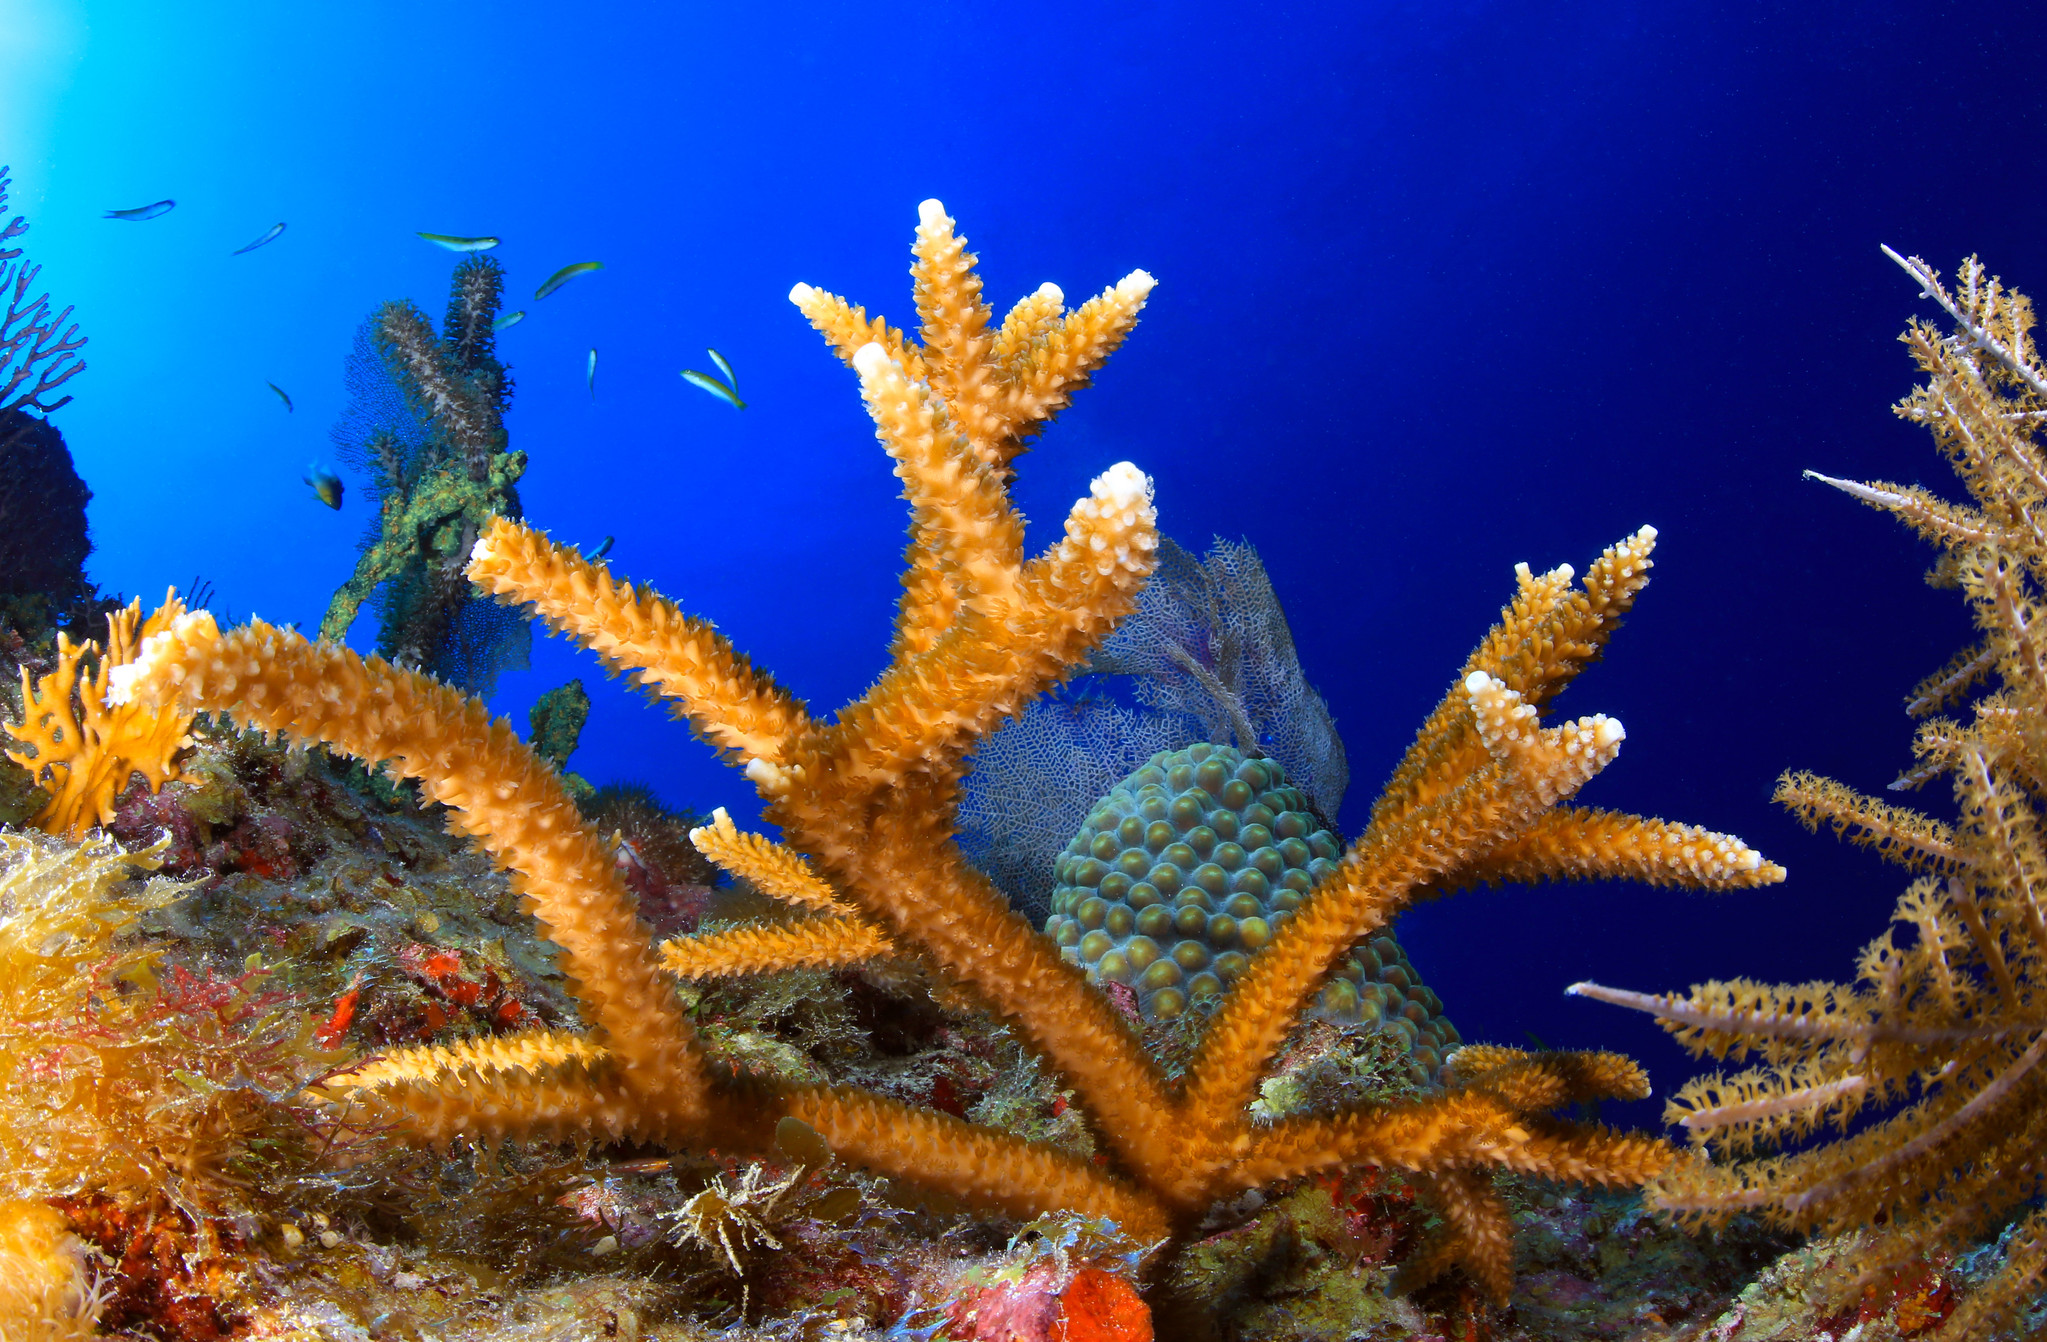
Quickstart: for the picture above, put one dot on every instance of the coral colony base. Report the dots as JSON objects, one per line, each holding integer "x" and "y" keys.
{"x": 248, "y": 1029}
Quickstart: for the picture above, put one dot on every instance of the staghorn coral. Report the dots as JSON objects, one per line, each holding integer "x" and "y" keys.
{"x": 837, "y": 936}
{"x": 425, "y": 421}
{"x": 1910, "y": 1101}
{"x": 868, "y": 797}
{"x": 35, "y": 357}
{"x": 84, "y": 756}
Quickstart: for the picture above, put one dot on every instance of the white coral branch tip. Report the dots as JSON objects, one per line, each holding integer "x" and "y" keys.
{"x": 157, "y": 648}
{"x": 1121, "y": 486}
{"x": 870, "y": 359}
{"x": 802, "y": 293}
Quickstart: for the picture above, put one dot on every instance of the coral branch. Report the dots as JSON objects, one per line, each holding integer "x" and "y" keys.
{"x": 733, "y": 706}
{"x": 499, "y": 791}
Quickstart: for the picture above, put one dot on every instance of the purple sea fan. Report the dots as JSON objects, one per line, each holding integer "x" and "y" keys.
{"x": 1209, "y": 642}
{"x": 35, "y": 357}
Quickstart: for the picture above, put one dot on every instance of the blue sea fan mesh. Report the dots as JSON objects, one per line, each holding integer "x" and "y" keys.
{"x": 1207, "y": 656}
{"x": 1034, "y": 781}
{"x": 1210, "y": 642}
{"x": 377, "y": 428}
{"x": 484, "y": 639}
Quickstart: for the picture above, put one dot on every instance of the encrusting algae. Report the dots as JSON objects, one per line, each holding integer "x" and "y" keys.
{"x": 866, "y": 799}
{"x": 1912, "y": 1101}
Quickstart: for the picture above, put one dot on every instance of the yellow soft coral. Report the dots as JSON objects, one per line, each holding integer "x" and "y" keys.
{"x": 49, "y": 1292}
{"x": 1912, "y": 1101}
{"x": 84, "y": 757}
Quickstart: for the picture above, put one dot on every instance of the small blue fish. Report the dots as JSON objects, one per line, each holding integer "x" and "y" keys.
{"x": 713, "y": 386}
{"x": 564, "y": 275}
{"x": 455, "y": 244}
{"x": 326, "y": 486}
{"x": 731, "y": 378}
{"x": 141, "y": 212}
{"x": 509, "y": 319}
{"x": 280, "y": 394}
{"x": 599, "y": 550}
{"x": 593, "y": 374}
{"x": 271, "y": 236}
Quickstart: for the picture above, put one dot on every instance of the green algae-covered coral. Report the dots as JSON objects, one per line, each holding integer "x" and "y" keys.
{"x": 1187, "y": 869}
{"x": 426, "y": 422}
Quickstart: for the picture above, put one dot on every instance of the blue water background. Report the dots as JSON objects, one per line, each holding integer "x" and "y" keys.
{"x": 1442, "y": 287}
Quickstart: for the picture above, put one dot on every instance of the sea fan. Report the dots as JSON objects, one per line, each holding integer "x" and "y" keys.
{"x": 1207, "y": 657}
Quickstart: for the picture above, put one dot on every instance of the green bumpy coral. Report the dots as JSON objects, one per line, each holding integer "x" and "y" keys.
{"x": 1188, "y": 867}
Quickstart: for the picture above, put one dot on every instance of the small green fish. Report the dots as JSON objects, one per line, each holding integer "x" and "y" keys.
{"x": 564, "y": 275}
{"x": 141, "y": 212}
{"x": 455, "y": 244}
{"x": 593, "y": 375}
{"x": 713, "y": 386}
{"x": 280, "y": 394}
{"x": 731, "y": 378}
{"x": 509, "y": 319}
{"x": 271, "y": 236}
{"x": 326, "y": 486}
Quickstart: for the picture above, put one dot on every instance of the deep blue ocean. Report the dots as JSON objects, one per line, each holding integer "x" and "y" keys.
{"x": 1442, "y": 287}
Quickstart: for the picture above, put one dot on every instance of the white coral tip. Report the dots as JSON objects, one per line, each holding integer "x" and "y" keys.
{"x": 931, "y": 214}
{"x": 1121, "y": 486}
{"x": 768, "y": 777}
{"x": 1136, "y": 284}
{"x": 1609, "y": 732}
{"x": 870, "y": 359}
{"x": 1647, "y": 533}
{"x": 1052, "y": 293}
{"x": 121, "y": 682}
{"x": 1478, "y": 682}
{"x": 801, "y": 294}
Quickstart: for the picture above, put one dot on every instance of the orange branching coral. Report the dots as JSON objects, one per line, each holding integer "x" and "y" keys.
{"x": 85, "y": 756}
{"x": 1928, "y": 1065}
{"x": 839, "y": 937}
{"x": 865, "y": 801}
